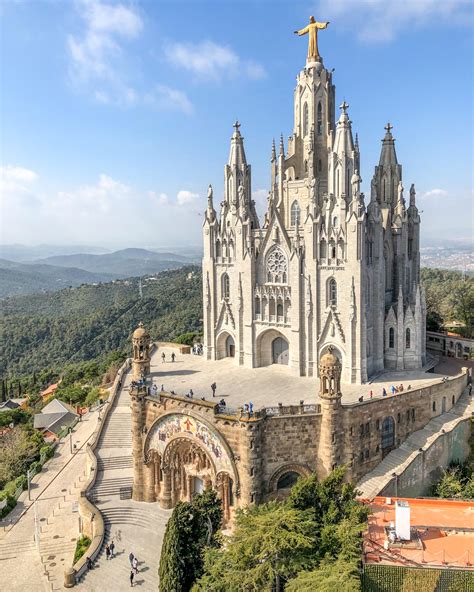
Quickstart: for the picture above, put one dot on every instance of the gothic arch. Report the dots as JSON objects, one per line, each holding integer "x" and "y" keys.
{"x": 147, "y": 447}
{"x": 222, "y": 343}
{"x": 264, "y": 346}
{"x": 301, "y": 469}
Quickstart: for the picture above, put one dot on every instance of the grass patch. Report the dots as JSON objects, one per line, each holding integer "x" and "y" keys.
{"x": 83, "y": 543}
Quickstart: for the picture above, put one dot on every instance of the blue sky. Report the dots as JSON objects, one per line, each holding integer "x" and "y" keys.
{"x": 115, "y": 116}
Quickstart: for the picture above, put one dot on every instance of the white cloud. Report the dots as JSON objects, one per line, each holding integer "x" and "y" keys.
{"x": 434, "y": 193}
{"x": 382, "y": 20}
{"x": 162, "y": 199}
{"x": 185, "y": 197}
{"x": 10, "y": 173}
{"x": 165, "y": 97}
{"x": 209, "y": 60}
{"x": 260, "y": 197}
{"x": 95, "y": 53}
{"x": 16, "y": 185}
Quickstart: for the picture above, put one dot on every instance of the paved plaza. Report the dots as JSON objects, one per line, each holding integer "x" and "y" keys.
{"x": 264, "y": 387}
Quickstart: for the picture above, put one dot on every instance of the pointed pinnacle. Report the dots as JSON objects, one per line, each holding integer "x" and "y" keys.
{"x": 282, "y": 146}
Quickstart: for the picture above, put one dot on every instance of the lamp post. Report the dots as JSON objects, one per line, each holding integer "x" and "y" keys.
{"x": 70, "y": 438}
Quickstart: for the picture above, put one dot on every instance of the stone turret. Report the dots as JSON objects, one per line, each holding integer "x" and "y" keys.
{"x": 331, "y": 435}
{"x": 141, "y": 353}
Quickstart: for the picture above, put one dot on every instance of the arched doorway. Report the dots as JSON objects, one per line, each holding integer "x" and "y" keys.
{"x": 230, "y": 347}
{"x": 225, "y": 345}
{"x": 388, "y": 435}
{"x": 280, "y": 351}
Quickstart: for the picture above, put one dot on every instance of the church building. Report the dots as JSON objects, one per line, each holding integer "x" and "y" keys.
{"x": 326, "y": 266}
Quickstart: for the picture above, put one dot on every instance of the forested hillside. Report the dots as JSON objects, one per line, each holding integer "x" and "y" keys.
{"x": 49, "y": 330}
{"x": 449, "y": 297}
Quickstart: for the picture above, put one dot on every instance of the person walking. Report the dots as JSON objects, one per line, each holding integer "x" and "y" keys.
{"x": 132, "y": 575}
{"x": 112, "y": 549}
{"x": 163, "y": 357}
{"x": 173, "y": 357}
{"x": 89, "y": 563}
{"x": 107, "y": 552}
{"x": 251, "y": 408}
{"x": 213, "y": 388}
{"x": 131, "y": 557}
{"x": 135, "y": 565}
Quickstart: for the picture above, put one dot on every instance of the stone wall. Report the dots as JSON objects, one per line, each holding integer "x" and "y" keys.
{"x": 427, "y": 467}
{"x": 410, "y": 410}
{"x": 264, "y": 446}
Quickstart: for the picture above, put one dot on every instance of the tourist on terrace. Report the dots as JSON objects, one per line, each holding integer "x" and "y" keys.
{"x": 173, "y": 357}
{"x": 162, "y": 388}
{"x": 163, "y": 357}
{"x": 384, "y": 392}
{"x": 371, "y": 394}
{"x": 213, "y": 388}
{"x": 222, "y": 403}
{"x": 251, "y": 408}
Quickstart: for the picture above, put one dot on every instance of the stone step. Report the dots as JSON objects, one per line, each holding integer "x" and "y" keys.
{"x": 115, "y": 462}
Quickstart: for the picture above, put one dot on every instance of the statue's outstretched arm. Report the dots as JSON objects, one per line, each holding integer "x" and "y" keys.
{"x": 302, "y": 31}
{"x": 322, "y": 25}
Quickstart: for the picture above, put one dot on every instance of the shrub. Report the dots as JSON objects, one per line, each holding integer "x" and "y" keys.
{"x": 47, "y": 451}
{"x": 187, "y": 338}
{"x": 82, "y": 544}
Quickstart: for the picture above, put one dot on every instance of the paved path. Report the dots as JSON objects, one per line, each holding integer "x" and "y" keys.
{"x": 397, "y": 460}
{"x": 136, "y": 527}
{"x": 55, "y": 490}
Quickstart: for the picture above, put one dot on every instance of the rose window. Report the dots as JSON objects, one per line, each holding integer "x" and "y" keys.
{"x": 277, "y": 267}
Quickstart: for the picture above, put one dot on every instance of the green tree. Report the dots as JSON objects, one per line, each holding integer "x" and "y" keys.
{"x": 270, "y": 544}
{"x": 463, "y": 303}
{"x": 330, "y": 575}
{"x": 193, "y": 526}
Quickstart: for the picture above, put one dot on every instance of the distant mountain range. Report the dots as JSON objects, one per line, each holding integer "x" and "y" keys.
{"x": 54, "y": 272}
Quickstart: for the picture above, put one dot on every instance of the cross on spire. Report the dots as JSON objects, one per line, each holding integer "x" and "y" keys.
{"x": 236, "y": 125}
{"x": 344, "y": 106}
{"x": 388, "y": 127}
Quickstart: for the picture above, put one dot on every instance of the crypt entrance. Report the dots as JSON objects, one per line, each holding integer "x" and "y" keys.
{"x": 184, "y": 457}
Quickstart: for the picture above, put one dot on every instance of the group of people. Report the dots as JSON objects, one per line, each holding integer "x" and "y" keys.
{"x": 110, "y": 554}
{"x": 197, "y": 349}
{"x": 163, "y": 357}
{"x": 248, "y": 408}
{"x": 393, "y": 390}
{"x": 133, "y": 567}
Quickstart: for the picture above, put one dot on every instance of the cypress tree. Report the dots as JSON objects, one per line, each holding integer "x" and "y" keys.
{"x": 4, "y": 391}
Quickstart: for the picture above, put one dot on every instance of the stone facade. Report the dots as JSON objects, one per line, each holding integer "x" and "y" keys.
{"x": 182, "y": 445}
{"x": 326, "y": 266}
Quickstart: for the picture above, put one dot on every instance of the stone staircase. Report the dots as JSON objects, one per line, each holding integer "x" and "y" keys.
{"x": 399, "y": 459}
{"x": 133, "y": 526}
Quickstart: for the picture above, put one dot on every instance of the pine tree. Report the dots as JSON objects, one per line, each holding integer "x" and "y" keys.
{"x": 4, "y": 391}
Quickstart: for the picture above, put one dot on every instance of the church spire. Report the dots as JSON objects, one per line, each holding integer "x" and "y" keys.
{"x": 344, "y": 141}
{"x": 388, "y": 156}
{"x": 237, "y": 152}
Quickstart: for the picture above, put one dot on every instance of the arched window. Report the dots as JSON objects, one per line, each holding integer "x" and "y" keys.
{"x": 305, "y": 120}
{"x": 332, "y": 292}
{"x": 322, "y": 249}
{"x": 332, "y": 249}
{"x": 337, "y": 183}
{"x": 224, "y": 248}
{"x": 407, "y": 339}
{"x": 384, "y": 189}
{"x": 218, "y": 249}
{"x": 272, "y": 307}
{"x": 388, "y": 434}
{"x": 231, "y": 250}
{"x": 225, "y": 284}
{"x": 320, "y": 119}
{"x": 279, "y": 311}
{"x": 295, "y": 214}
{"x": 320, "y": 165}
{"x": 287, "y": 480}
{"x": 335, "y": 222}
{"x": 305, "y": 166}
{"x": 257, "y": 305}
{"x": 391, "y": 338}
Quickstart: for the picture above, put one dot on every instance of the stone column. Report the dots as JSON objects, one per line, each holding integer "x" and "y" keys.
{"x": 157, "y": 475}
{"x": 165, "y": 498}
{"x": 225, "y": 499}
{"x": 149, "y": 482}
{"x": 138, "y": 423}
{"x": 190, "y": 479}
